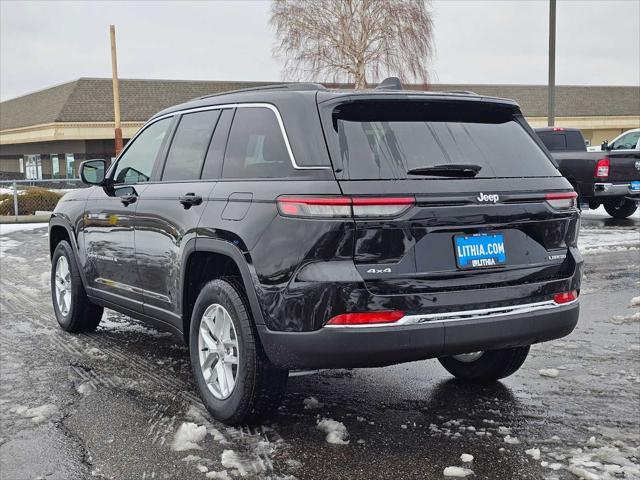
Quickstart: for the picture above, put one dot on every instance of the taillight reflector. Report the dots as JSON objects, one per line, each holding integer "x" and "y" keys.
{"x": 562, "y": 200}
{"x": 301, "y": 206}
{"x": 366, "y": 318}
{"x": 565, "y": 297}
{"x": 602, "y": 168}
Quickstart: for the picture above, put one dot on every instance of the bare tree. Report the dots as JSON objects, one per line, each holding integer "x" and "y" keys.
{"x": 353, "y": 40}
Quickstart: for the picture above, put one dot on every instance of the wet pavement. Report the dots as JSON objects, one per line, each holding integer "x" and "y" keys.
{"x": 110, "y": 404}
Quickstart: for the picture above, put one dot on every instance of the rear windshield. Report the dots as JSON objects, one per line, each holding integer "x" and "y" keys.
{"x": 562, "y": 141}
{"x": 386, "y": 139}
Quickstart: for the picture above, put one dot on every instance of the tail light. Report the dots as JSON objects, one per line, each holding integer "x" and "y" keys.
{"x": 558, "y": 129}
{"x": 562, "y": 201}
{"x": 565, "y": 297}
{"x": 343, "y": 207}
{"x": 602, "y": 168}
{"x": 366, "y": 318}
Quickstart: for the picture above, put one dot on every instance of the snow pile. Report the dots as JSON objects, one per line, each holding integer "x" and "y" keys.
{"x": 188, "y": 436}
{"x": 312, "y": 403}
{"x": 458, "y": 472}
{"x": 336, "y": 431}
{"x": 634, "y": 317}
{"x": 466, "y": 458}
{"x": 635, "y": 302}
{"x": 549, "y": 372}
{"x": 244, "y": 464}
{"x": 504, "y": 430}
{"x": 533, "y": 453}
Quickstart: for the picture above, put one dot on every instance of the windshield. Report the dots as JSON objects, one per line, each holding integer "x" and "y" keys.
{"x": 385, "y": 140}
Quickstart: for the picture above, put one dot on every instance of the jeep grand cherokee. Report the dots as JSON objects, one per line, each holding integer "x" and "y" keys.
{"x": 295, "y": 227}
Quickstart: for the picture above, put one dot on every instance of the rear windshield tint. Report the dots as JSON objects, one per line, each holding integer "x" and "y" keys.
{"x": 562, "y": 141}
{"x": 384, "y": 140}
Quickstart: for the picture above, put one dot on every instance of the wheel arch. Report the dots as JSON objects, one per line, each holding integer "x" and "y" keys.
{"x": 206, "y": 259}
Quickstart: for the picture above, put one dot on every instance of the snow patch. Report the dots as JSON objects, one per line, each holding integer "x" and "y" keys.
{"x": 533, "y": 453}
{"x": 549, "y": 372}
{"x": 511, "y": 440}
{"x": 86, "y": 388}
{"x": 466, "y": 458}
{"x": 312, "y": 403}
{"x": 244, "y": 464}
{"x": 6, "y": 228}
{"x": 37, "y": 414}
{"x": 222, "y": 475}
{"x": 458, "y": 472}
{"x": 635, "y": 302}
{"x": 336, "y": 431}
{"x": 188, "y": 436}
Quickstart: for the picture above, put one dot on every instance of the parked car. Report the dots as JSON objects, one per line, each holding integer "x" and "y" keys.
{"x": 610, "y": 178}
{"x": 295, "y": 227}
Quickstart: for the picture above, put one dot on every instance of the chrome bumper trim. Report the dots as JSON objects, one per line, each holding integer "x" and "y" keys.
{"x": 446, "y": 317}
{"x": 613, "y": 189}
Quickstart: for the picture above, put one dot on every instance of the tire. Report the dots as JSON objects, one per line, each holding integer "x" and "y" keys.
{"x": 77, "y": 313}
{"x": 620, "y": 207}
{"x": 492, "y": 365}
{"x": 259, "y": 385}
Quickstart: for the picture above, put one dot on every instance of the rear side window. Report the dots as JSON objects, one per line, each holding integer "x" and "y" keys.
{"x": 384, "y": 140}
{"x": 189, "y": 145}
{"x": 256, "y": 147}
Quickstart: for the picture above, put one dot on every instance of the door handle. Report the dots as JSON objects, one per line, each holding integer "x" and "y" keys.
{"x": 128, "y": 199}
{"x": 190, "y": 199}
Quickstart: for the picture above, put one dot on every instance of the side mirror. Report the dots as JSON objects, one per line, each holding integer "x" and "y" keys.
{"x": 92, "y": 172}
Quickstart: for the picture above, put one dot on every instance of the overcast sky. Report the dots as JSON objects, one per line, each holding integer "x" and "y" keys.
{"x": 47, "y": 43}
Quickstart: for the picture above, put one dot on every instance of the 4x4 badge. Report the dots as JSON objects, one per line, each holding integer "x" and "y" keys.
{"x": 379, "y": 270}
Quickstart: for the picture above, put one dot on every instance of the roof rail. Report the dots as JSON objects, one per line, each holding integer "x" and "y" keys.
{"x": 463, "y": 92}
{"x": 391, "y": 83}
{"x": 275, "y": 86}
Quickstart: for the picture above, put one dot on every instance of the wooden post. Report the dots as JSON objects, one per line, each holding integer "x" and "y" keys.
{"x": 551, "y": 88}
{"x": 116, "y": 90}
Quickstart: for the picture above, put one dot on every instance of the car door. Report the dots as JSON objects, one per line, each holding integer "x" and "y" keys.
{"x": 109, "y": 219}
{"x": 170, "y": 208}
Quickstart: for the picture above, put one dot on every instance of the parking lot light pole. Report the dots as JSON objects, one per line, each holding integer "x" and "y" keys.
{"x": 116, "y": 91}
{"x": 551, "y": 88}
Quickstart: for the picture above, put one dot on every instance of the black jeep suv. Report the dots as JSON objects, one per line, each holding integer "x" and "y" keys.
{"x": 295, "y": 227}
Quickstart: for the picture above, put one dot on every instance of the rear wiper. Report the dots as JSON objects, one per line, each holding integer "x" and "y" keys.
{"x": 462, "y": 170}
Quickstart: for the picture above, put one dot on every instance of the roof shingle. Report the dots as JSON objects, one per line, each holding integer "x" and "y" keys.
{"x": 91, "y": 99}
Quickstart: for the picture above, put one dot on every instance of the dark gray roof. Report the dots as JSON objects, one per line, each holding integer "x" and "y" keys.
{"x": 91, "y": 100}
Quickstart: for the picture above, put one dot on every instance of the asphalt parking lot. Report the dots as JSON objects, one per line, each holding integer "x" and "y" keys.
{"x": 120, "y": 403}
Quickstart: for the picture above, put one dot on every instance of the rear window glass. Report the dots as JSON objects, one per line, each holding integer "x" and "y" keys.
{"x": 384, "y": 140}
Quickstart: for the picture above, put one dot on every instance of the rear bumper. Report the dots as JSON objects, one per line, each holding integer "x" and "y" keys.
{"x": 614, "y": 190}
{"x": 380, "y": 346}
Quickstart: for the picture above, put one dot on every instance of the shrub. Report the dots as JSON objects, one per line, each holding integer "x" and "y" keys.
{"x": 31, "y": 200}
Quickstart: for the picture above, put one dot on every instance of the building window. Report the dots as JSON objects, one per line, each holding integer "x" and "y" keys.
{"x": 55, "y": 167}
{"x": 71, "y": 172}
{"x": 33, "y": 167}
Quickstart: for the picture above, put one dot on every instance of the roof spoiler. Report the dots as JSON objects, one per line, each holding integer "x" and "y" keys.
{"x": 391, "y": 83}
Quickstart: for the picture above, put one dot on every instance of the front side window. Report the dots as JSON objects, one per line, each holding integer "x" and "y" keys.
{"x": 626, "y": 142}
{"x": 256, "y": 147}
{"x": 189, "y": 145}
{"x": 136, "y": 163}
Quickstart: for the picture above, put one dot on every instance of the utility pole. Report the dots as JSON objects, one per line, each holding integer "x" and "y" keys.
{"x": 551, "y": 88}
{"x": 116, "y": 90}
